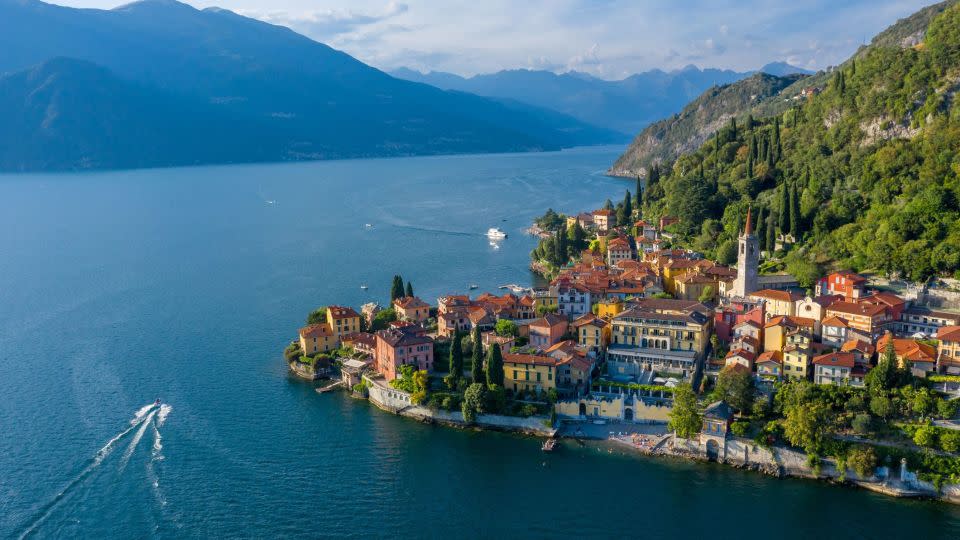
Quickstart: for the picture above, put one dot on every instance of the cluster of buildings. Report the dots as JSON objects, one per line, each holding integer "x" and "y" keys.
{"x": 640, "y": 314}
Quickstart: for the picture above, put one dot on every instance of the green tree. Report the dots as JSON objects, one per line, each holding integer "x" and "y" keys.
{"x": 396, "y": 289}
{"x": 950, "y": 441}
{"x": 409, "y": 289}
{"x": 495, "y": 365}
{"x": 761, "y": 227}
{"x": 706, "y": 295}
{"x": 625, "y": 212}
{"x": 382, "y": 319}
{"x": 638, "y": 199}
{"x": 496, "y": 399}
{"x": 861, "y": 424}
{"x": 456, "y": 356}
{"x": 806, "y": 425}
{"x": 506, "y": 327}
{"x": 476, "y": 357}
{"x": 923, "y": 402}
{"x": 882, "y": 378}
{"x": 735, "y": 386}
{"x": 863, "y": 461}
{"x": 317, "y": 316}
{"x": 881, "y": 406}
{"x": 576, "y": 237}
{"x": 770, "y": 242}
{"x": 421, "y": 384}
{"x": 925, "y": 436}
{"x": 794, "y": 214}
{"x": 473, "y": 402}
{"x": 685, "y": 417}
{"x": 784, "y": 209}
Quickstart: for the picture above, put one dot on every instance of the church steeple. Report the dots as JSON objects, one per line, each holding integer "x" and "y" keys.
{"x": 748, "y": 230}
{"x": 748, "y": 260}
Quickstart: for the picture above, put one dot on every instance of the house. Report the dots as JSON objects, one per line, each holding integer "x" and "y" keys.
{"x": 574, "y": 367}
{"x": 741, "y": 357}
{"x": 545, "y": 301}
{"x": 402, "y": 346}
{"x": 696, "y": 286}
{"x": 919, "y": 357}
{"x": 862, "y": 351}
{"x": 716, "y": 424}
{"x": 673, "y": 268}
{"x": 894, "y": 304}
{"x": 573, "y": 299}
{"x": 948, "y": 350}
{"x": 731, "y": 314}
{"x": 603, "y": 219}
{"x": 797, "y": 355}
{"x": 411, "y": 308}
{"x": 833, "y": 331}
{"x": 747, "y": 343}
{"x": 609, "y": 308}
{"x": 748, "y": 327}
{"x": 810, "y": 308}
{"x": 659, "y": 334}
{"x": 351, "y": 371}
{"x": 342, "y": 321}
{"x": 868, "y": 319}
{"x": 618, "y": 249}
{"x": 317, "y": 338}
{"x": 361, "y": 342}
{"x": 526, "y": 372}
{"x": 776, "y": 330}
{"x": 452, "y": 321}
{"x": 547, "y": 330}
{"x": 847, "y": 284}
{"x": 770, "y": 365}
{"x": 833, "y": 368}
{"x": 921, "y": 321}
{"x": 490, "y": 338}
{"x": 776, "y": 303}
{"x": 593, "y": 333}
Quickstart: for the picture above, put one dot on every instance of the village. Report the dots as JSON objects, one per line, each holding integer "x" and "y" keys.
{"x": 627, "y": 329}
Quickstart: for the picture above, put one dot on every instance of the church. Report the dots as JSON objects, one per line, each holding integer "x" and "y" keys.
{"x": 748, "y": 261}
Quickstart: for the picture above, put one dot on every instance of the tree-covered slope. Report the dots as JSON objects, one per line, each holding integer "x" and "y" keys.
{"x": 663, "y": 141}
{"x": 864, "y": 175}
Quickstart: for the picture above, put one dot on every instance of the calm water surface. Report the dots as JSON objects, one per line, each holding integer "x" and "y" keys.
{"x": 117, "y": 288}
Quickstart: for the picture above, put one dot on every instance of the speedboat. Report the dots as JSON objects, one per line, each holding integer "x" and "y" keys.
{"x": 157, "y": 402}
{"x": 473, "y": 286}
{"x": 364, "y": 287}
{"x": 496, "y": 234}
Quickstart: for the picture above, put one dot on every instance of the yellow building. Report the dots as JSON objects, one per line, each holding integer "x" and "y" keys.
{"x": 544, "y": 301}
{"x": 775, "y": 331}
{"x": 797, "y": 356}
{"x": 525, "y": 372}
{"x": 411, "y": 308}
{"x": 694, "y": 286}
{"x": 659, "y": 334}
{"x": 673, "y": 269}
{"x": 342, "y": 321}
{"x": 614, "y": 406}
{"x": 317, "y": 338}
{"x": 777, "y": 303}
{"x": 609, "y": 308}
{"x": 591, "y": 331}
{"x": 948, "y": 351}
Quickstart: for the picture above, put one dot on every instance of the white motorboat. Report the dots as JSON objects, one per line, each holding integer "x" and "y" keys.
{"x": 496, "y": 234}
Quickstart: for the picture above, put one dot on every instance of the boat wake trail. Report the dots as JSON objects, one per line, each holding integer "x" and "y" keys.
{"x": 140, "y": 420}
{"x": 142, "y": 428}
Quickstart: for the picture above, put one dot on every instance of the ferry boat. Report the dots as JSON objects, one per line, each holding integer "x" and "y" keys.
{"x": 496, "y": 234}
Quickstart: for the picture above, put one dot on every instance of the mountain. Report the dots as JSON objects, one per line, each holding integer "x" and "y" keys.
{"x": 305, "y": 99}
{"x": 663, "y": 141}
{"x": 626, "y": 106}
{"x": 863, "y": 171}
{"x": 782, "y": 69}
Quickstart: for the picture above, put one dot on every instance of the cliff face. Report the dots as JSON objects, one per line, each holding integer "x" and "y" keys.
{"x": 667, "y": 139}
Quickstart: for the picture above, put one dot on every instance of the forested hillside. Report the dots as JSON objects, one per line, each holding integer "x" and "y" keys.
{"x": 865, "y": 174}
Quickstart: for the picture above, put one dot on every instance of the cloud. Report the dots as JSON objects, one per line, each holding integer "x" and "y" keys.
{"x": 330, "y": 23}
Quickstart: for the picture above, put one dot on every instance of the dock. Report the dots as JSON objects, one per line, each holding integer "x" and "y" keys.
{"x": 329, "y": 387}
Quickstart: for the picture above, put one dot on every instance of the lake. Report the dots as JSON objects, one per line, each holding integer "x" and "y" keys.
{"x": 117, "y": 288}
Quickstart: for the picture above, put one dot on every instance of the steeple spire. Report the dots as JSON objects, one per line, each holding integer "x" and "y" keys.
{"x": 748, "y": 230}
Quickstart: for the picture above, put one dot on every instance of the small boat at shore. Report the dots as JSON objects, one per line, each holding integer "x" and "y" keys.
{"x": 364, "y": 287}
{"x": 495, "y": 233}
{"x": 549, "y": 445}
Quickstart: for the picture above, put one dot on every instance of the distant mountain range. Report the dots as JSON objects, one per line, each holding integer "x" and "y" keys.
{"x": 626, "y": 105}
{"x": 160, "y": 83}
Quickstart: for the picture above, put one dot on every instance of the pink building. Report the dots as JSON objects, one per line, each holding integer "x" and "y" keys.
{"x": 547, "y": 331}
{"x": 737, "y": 312}
{"x": 397, "y": 347}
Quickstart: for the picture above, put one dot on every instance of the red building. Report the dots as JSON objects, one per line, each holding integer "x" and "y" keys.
{"x": 847, "y": 284}
{"x": 733, "y": 314}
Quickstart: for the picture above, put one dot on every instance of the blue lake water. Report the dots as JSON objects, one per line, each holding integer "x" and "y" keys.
{"x": 120, "y": 287}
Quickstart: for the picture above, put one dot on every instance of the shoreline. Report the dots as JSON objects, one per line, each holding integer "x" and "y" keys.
{"x": 776, "y": 462}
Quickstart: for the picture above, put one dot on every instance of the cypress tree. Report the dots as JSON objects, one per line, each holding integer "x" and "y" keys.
{"x": 560, "y": 247}
{"x": 494, "y": 365}
{"x": 776, "y": 139}
{"x": 794, "y": 214}
{"x": 639, "y": 192}
{"x": 749, "y": 165}
{"x": 784, "y": 209}
{"x": 733, "y": 129}
{"x": 761, "y": 226}
{"x": 476, "y": 358}
{"x": 409, "y": 289}
{"x": 771, "y": 240}
{"x": 627, "y": 209}
{"x": 749, "y": 121}
{"x": 752, "y": 154}
{"x": 456, "y": 356}
{"x": 396, "y": 289}
{"x": 654, "y": 176}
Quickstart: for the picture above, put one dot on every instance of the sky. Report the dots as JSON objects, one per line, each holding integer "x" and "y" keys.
{"x": 610, "y": 39}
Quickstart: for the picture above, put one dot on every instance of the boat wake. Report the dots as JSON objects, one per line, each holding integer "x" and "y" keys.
{"x": 147, "y": 416}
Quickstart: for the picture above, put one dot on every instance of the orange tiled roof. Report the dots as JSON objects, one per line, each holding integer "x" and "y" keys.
{"x": 770, "y": 356}
{"x": 949, "y": 333}
{"x": 838, "y": 359}
{"x": 315, "y": 330}
{"x": 773, "y": 294}
{"x": 529, "y": 359}
{"x": 908, "y": 349}
{"x": 853, "y": 308}
{"x": 340, "y": 312}
{"x": 410, "y": 302}
{"x": 833, "y": 320}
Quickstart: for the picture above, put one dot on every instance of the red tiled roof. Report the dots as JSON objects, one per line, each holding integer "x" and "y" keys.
{"x": 839, "y": 359}
{"x": 949, "y": 333}
{"x": 908, "y": 349}
{"x": 529, "y": 359}
{"x": 859, "y": 346}
{"x": 410, "y": 302}
{"x": 603, "y": 212}
{"x": 770, "y": 356}
{"x": 833, "y": 320}
{"x": 341, "y": 312}
{"x": 780, "y": 296}
{"x": 852, "y": 308}
{"x": 315, "y": 330}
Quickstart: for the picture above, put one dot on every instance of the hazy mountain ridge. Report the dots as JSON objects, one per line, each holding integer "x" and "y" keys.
{"x": 307, "y": 100}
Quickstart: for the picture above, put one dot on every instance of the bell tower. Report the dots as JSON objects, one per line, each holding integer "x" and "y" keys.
{"x": 748, "y": 259}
